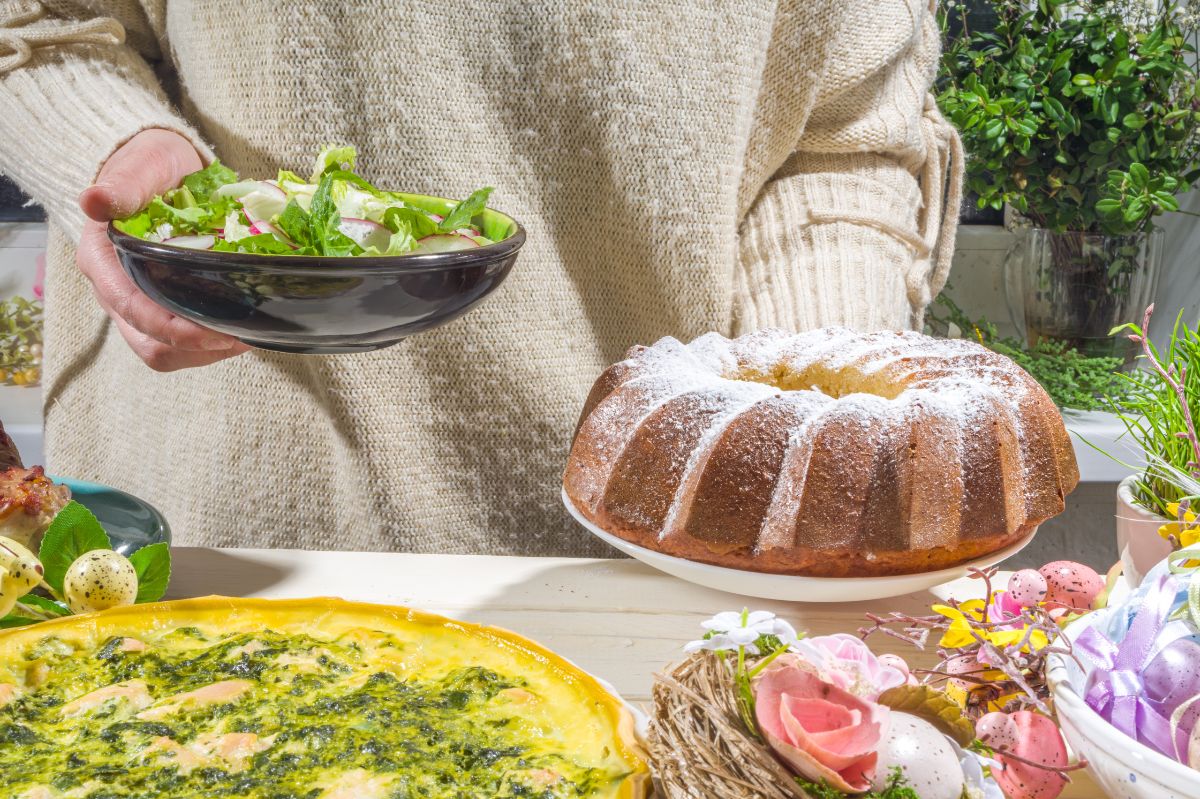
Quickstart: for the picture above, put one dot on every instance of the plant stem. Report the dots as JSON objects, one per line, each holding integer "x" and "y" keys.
{"x": 1176, "y": 385}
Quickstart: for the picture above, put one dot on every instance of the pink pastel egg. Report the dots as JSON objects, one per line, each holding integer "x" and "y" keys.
{"x": 1039, "y": 741}
{"x": 1027, "y": 587}
{"x": 967, "y": 665}
{"x": 1071, "y": 584}
{"x": 997, "y": 730}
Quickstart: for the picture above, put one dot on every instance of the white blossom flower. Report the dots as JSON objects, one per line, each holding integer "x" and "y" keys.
{"x": 717, "y": 643}
{"x": 732, "y": 629}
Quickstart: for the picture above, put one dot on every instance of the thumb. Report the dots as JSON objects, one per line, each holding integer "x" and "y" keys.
{"x": 150, "y": 163}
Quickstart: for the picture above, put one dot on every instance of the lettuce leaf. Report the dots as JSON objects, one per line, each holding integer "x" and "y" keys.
{"x": 402, "y": 219}
{"x": 201, "y": 184}
{"x": 460, "y": 216}
{"x": 333, "y": 159}
{"x": 261, "y": 244}
{"x": 323, "y": 219}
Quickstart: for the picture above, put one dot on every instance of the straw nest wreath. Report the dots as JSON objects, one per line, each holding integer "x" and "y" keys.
{"x": 698, "y": 744}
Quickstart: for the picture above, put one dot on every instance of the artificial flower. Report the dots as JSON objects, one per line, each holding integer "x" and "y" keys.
{"x": 965, "y": 629}
{"x": 1185, "y": 530}
{"x": 847, "y": 662}
{"x": 824, "y": 733}
{"x": 731, "y": 629}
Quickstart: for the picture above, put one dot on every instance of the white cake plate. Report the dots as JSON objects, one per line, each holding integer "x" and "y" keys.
{"x": 789, "y": 587}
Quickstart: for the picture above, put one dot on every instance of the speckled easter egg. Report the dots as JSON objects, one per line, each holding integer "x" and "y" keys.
{"x": 964, "y": 664}
{"x": 1039, "y": 742}
{"x": 1071, "y": 584}
{"x": 1027, "y": 587}
{"x": 99, "y": 580}
{"x": 925, "y": 757}
{"x": 997, "y": 730}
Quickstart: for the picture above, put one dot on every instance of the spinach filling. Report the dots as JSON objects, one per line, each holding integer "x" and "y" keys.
{"x": 450, "y": 736}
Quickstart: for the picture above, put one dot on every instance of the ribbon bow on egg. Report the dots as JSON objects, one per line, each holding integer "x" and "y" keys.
{"x": 1148, "y": 685}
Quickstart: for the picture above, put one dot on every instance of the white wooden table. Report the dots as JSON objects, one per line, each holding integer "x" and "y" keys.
{"x": 618, "y": 619}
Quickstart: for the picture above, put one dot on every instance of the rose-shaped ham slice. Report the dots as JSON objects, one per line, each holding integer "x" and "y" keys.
{"x": 820, "y": 730}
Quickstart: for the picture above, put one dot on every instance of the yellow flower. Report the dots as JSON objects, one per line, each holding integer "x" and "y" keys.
{"x": 959, "y": 632}
{"x": 1185, "y": 530}
{"x": 1173, "y": 509}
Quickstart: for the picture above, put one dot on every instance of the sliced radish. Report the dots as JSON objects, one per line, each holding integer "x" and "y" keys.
{"x": 445, "y": 242}
{"x": 468, "y": 231}
{"x": 242, "y": 187}
{"x": 192, "y": 242}
{"x": 437, "y": 218}
{"x": 265, "y": 201}
{"x": 366, "y": 233}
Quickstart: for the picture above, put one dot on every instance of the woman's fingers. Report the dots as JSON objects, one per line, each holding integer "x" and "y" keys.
{"x": 165, "y": 358}
{"x": 147, "y": 165}
{"x": 127, "y": 305}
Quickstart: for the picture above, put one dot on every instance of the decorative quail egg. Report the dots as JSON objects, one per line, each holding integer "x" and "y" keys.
{"x": 99, "y": 580}
{"x": 925, "y": 757}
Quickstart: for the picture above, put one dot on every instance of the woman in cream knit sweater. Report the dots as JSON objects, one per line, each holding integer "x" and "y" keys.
{"x": 680, "y": 167}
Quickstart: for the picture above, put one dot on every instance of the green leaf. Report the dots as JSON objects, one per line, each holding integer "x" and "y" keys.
{"x": 263, "y": 244}
{"x": 333, "y": 159}
{"x": 460, "y": 216}
{"x": 153, "y": 566}
{"x": 324, "y": 219}
{"x": 73, "y": 532}
{"x": 295, "y": 224}
{"x": 1139, "y": 175}
{"x": 1083, "y": 80}
{"x": 936, "y": 707}
{"x": 202, "y": 184}
{"x": 47, "y": 605}
{"x": 10, "y": 621}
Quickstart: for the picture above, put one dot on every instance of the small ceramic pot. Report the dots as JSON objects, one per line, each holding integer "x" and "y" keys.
{"x": 1138, "y": 541}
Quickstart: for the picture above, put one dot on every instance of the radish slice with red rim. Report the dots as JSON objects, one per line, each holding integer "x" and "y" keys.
{"x": 366, "y": 233}
{"x": 192, "y": 242}
{"x": 445, "y": 242}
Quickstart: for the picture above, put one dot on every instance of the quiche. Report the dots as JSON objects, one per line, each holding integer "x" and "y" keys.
{"x": 301, "y": 699}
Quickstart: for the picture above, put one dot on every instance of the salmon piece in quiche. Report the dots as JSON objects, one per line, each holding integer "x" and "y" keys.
{"x": 134, "y": 692}
{"x": 8, "y": 692}
{"x": 358, "y": 784}
{"x": 218, "y": 693}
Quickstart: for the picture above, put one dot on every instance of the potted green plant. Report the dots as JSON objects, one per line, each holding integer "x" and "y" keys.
{"x": 1160, "y": 408}
{"x": 1082, "y": 116}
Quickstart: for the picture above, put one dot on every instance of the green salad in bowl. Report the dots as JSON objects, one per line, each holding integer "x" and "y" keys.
{"x": 321, "y": 265}
{"x": 335, "y": 212}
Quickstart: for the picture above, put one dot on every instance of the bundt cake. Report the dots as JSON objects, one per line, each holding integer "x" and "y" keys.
{"x": 829, "y": 453}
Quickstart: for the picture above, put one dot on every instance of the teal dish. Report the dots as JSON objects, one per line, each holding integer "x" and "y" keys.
{"x": 131, "y": 523}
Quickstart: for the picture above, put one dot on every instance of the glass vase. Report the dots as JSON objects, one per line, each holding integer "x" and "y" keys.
{"x": 1076, "y": 287}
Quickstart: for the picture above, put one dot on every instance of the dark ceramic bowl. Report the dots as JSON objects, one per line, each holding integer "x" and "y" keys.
{"x": 312, "y": 304}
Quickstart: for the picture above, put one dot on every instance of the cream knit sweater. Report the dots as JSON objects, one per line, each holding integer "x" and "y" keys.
{"x": 681, "y": 167}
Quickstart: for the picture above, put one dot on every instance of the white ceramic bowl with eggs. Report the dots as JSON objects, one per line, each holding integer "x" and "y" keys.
{"x": 1120, "y": 765}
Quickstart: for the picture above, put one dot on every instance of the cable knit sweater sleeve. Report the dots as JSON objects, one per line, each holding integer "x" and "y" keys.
{"x": 850, "y": 226}
{"x": 75, "y": 86}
